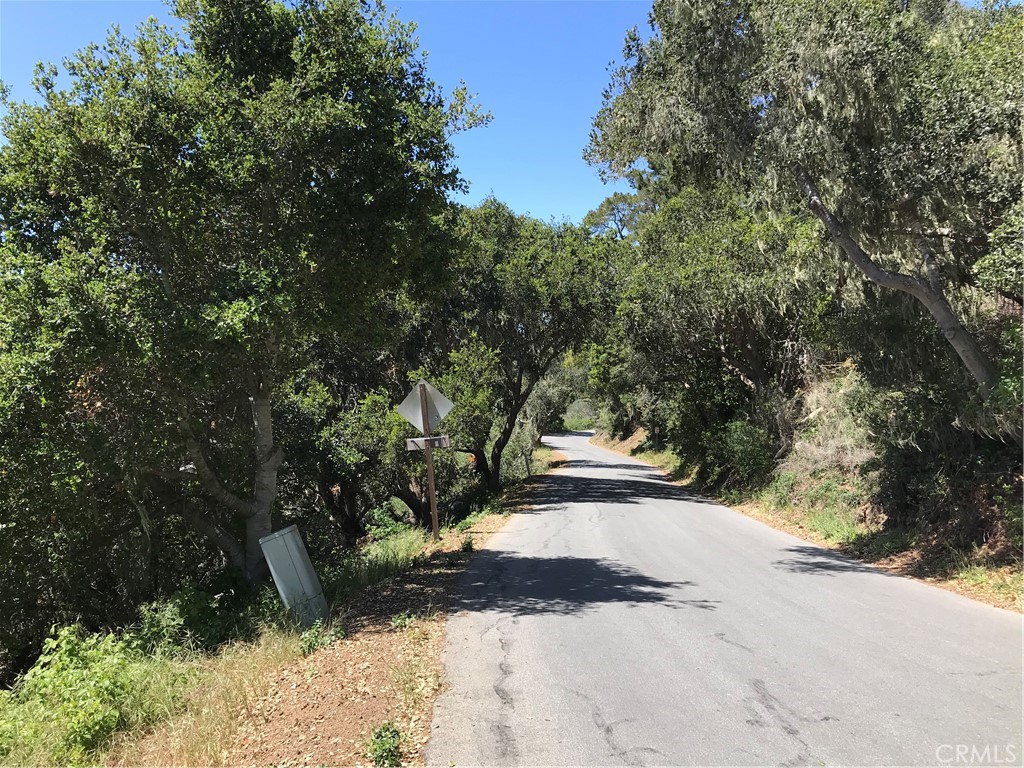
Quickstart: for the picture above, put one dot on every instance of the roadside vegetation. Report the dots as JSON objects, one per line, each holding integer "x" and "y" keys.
{"x": 229, "y": 248}
{"x": 171, "y": 689}
{"x": 835, "y": 509}
{"x": 204, "y": 330}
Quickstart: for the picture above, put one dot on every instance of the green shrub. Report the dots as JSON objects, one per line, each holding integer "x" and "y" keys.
{"x": 748, "y": 451}
{"x": 161, "y": 628}
{"x": 385, "y": 521}
{"x": 319, "y": 636}
{"x": 780, "y": 492}
{"x": 823, "y": 491}
{"x": 402, "y": 620}
{"x": 189, "y": 618}
{"x": 82, "y": 689}
{"x": 468, "y": 522}
{"x": 835, "y": 525}
{"x": 385, "y": 746}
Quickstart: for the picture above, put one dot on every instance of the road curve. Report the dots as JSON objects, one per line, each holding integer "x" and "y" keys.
{"x": 623, "y": 621}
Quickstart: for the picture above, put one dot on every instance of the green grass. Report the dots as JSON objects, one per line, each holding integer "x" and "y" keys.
{"x": 667, "y": 460}
{"x": 374, "y": 563}
{"x": 83, "y": 689}
{"x": 319, "y": 636}
{"x": 579, "y": 416}
{"x": 828, "y": 506}
{"x": 578, "y": 423}
{"x": 469, "y": 521}
{"x": 877, "y": 545}
{"x": 402, "y": 620}
{"x": 838, "y": 526}
{"x": 976, "y": 572}
{"x": 779, "y": 493}
{"x": 542, "y": 459}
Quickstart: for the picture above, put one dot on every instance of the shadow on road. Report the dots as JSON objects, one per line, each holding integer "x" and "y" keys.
{"x": 523, "y": 585}
{"x": 556, "y": 490}
{"x": 822, "y": 562}
{"x": 642, "y": 468}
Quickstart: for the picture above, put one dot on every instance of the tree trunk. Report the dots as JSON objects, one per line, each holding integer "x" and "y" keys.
{"x": 498, "y": 448}
{"x": 257, "y": 513}
{"x": 172, "y": 497}
{"x": 480, "y": 465}
{"x": 494, "y": 481}
{"x": 268, "y": 460}
{"x": 342, "y": 508}
{"x": 506, "y": 433}
{"x": 212, "y": 530}
{"x": 928, "y": 292}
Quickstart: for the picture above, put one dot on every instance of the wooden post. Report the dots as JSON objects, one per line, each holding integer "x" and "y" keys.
{"x": 430, "y": 461}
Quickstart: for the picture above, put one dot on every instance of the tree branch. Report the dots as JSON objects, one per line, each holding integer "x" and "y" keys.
{"x": 212, "y": 530}
{"x": 928, "y": 292}
{"x": 841, "y": 235}
{"x": 207, "y": 477}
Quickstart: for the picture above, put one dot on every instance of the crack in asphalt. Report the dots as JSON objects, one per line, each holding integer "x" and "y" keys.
{"x": 627, "y": 755}
{"x": 721, "y": 636}
{"x": 501, "y": 728}
{"x": 556, "y": 534}
{"x": 783, "y": 716}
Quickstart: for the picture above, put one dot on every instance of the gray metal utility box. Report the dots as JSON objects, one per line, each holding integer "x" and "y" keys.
{"x": 294, "y": 576}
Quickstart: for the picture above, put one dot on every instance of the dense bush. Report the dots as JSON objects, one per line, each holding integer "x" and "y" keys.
{"x": 857, "y": 310}
{"x": 748, "y": 452}
{"x": 82, "y": 689}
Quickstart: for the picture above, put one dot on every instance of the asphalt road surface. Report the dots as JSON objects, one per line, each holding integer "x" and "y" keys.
{"x": 623, "y": 621}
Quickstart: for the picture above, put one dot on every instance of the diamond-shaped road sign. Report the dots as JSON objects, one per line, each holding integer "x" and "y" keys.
{"x": 437, "y": 407}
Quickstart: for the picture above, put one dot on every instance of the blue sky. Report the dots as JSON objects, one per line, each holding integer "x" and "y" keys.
{"x": 538, "y": 66}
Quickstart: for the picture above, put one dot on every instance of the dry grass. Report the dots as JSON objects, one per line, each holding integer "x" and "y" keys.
{"x": 663, "y": 459}
{"x": 831, "y": 434}
{"x": 545, "y": 459}
{"x": 417, "y": 678}
{"x": 1002, "y": 585}
{"x": 229, "y": 685}
{"x": 388, "y": 670}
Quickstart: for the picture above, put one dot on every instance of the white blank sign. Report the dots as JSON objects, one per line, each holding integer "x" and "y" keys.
{"x": 437, "y": 407}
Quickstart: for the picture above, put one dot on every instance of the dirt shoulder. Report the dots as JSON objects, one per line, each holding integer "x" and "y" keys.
{"x": 323, "y": 709}
{"x": 995, "y": 585}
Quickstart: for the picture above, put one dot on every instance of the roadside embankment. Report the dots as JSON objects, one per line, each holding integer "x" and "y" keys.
{"x": 832, "y": 511}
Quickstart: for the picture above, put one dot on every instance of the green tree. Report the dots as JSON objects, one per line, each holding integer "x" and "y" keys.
{"x": 524, "y": 292}
{"x": 896, "y": 124}
{"x": 182, "y": 225}
{"x": 714, "y": 306}
{"x": 617, "y": 215}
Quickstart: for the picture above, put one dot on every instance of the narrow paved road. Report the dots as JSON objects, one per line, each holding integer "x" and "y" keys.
{"x": 623, "y": 621}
